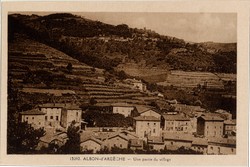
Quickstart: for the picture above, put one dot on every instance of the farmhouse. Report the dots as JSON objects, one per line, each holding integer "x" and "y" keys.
{"x": 176, "y": 123}
{"x": 91, "y": 143}
{"x": 34, "y": 117}
{"x": 210, "y": 126}
{"x": 122, "y": 108}
{"x": 117, "y": 140}
{"x": 147, "y": 126}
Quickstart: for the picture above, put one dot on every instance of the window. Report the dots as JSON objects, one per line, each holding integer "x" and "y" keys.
{"x": 76, "y": 114}
{"x": 211, "y": 148}
{"x": 232, "y": 149}
{"x": 121, "y": 145}
{"x": 57, "y": 118}
{"x": 46, "y": 117}
{"x": 154, "y": 123}
{"x": 153, "y": 130}
{"x": 27, "y": 117}
{"x": 51, "y": 117}
{"x": 32, "y": 117}
{"x": 207, "y": 127}
{"x": 148, "y": 124}
{"x": 172, "y": 143}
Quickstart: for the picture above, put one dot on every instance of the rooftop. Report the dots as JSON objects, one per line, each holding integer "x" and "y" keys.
{"x": 177, "y": 136}
{"x": 155, "y": 140}
{"x": 136, "y": 142}
{"x": 222, "y": 141}
{"x": 230, "y": 122}
{"x": 142, "y": 108}
{"x": 32, "y": 112}
{"x": 177, "y": 117}
{"x": 146, "y": 118}
{"x": 212, "y": 118}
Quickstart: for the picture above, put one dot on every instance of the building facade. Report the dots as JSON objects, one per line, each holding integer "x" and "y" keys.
{"x": 147, "y": 126}
{"x": 71, "y": 113}
{"x": 176, "y": 123}
{"x": 210, "y": 126}
{"x": 34, "y": 117}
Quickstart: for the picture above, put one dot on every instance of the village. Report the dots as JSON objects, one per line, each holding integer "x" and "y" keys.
{"x": 183, "y": 126}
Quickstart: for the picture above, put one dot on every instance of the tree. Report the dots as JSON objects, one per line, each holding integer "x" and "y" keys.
{"x": 69, "y": 67}
{"x": 22, "y": 138}
{"x": 72, "y": 145}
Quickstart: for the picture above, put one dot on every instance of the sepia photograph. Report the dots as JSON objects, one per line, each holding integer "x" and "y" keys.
{"x": 119, "y": 84}
{"x": 122, "y": 83}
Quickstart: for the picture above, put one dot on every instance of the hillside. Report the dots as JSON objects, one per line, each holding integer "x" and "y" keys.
{"x": 115, "y": 47}
{"x": 41, "y": 74}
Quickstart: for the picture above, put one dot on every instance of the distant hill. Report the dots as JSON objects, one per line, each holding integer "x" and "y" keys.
{"x": 111, "y": 47}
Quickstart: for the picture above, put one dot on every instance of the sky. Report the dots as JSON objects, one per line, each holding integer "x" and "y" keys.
{"x": 192, "y": 27}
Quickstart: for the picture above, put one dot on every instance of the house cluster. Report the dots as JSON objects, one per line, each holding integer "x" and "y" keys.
{"x": 187, "y": 126}
{"x": 55, "y": 115}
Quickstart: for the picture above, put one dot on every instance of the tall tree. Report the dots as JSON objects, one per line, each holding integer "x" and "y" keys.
{"x": 72, "y": 146}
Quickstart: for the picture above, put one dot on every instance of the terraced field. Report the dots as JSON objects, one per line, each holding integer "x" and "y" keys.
{"x": 84, "y": 81}
{"x": 184, "y": 79}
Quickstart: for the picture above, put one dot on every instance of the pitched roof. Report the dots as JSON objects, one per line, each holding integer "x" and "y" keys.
{"x": 142, "y": 108}
{"x": 176, "y": 117}
{"x": 119, "y": 135}
{"x": 93, "y": 139}
{"x": 146, "y": 118}
{"x": 212, "y": 118}
{"x": 32, "y": 112}
{"x": 177, "y": 136}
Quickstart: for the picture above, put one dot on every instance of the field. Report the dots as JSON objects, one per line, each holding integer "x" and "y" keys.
{"x": 184, "y": 79}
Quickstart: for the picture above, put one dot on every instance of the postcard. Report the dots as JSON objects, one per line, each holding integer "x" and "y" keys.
{"x": 125, "y": 83}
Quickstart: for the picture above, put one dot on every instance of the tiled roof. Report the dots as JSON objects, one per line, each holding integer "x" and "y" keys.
{"x": 176, "y": 117}
{"x": 146, "y": 118}
{"x": 32, "y": 112}
{"x": 212, "y": 118}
